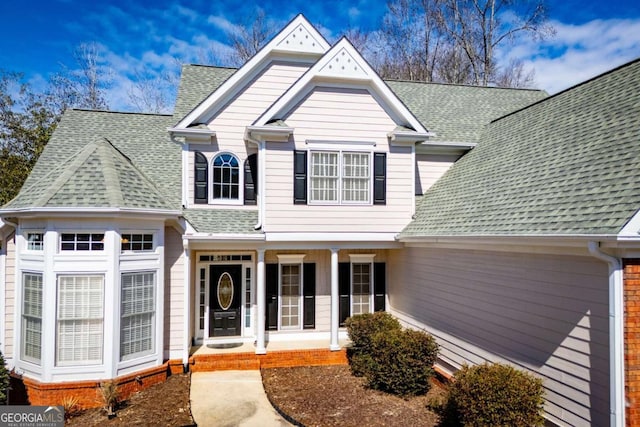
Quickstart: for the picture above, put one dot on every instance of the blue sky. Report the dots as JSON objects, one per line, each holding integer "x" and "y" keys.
{"x": 38, "y": 37}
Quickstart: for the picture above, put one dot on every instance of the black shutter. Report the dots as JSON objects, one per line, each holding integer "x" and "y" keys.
{"x": 309, "y": 296}
{"x": 299, "y": 177}
{"x": 271, "y": 273}
{"x": 251, "y": 179}
{"x": 379, "y": 178}
{"x": 344, "y": 289}
{"x": 379, "y": 285}
{"x": 201, "y": 178}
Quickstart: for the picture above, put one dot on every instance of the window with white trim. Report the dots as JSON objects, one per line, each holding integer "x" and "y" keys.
{"x": 32, "y": 317}
{"x": 290, "y": 295}
{"x": 80, "y": 318}
{"x": 340, "y": 177}
{"x": 82, "y": 242}
{"x": 35, "y": 241}
{"x": 137, "y": 322}
{"x": 226, "y": 177}
{"x": 138, "y": 242}
{"x": 361, "y": 289}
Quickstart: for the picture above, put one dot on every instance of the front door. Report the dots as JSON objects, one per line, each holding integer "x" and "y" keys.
{"x": 225, "y": 295}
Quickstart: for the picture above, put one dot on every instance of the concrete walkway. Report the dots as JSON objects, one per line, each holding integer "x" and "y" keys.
{"x": 231, "y": 398}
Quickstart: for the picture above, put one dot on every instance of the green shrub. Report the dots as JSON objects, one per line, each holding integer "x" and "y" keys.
{"x": 4, "y": 381}
{"x": 361, "y": 329}
{"x": 401, "y": 362}
{"x": 494, "y": 395}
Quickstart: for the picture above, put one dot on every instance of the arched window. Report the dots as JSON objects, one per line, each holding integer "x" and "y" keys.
{"x": 226, "y": 177}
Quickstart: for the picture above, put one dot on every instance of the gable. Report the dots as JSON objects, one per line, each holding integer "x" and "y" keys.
{"x": 342, "y": 66}
{"x": 299, "y": 41}
{"x": 568, "y": 165}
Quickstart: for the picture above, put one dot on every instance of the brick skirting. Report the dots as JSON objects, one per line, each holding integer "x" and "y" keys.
{"x": 273, "y": 359}
{"x": 29, "y": 391}
{"x": 632, "y": 340}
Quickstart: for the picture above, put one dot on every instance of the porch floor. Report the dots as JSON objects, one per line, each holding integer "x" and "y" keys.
{"x": 241, "y": 356}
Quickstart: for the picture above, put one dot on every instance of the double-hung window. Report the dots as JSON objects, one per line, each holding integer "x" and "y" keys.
{"x": 32, "y": 317}
{"x": 80, "y": 320}
{"x": 340, "y": 177}
{"x": 137, "y": 312}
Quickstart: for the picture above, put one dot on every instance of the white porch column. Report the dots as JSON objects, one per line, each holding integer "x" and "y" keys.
{"x": 261, "y": 302}
{"x": 187, "y": 303}
{"x": 335, "y": 301}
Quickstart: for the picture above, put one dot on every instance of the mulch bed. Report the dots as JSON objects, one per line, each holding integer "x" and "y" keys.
{"x": 311, "y": 396}
{"x": 331, "y": 396}
{"x": 165, "y": 404}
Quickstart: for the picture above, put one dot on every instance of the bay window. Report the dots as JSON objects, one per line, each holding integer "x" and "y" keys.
{"x": 80, "y": 317}
{"x": 137, "y": 314}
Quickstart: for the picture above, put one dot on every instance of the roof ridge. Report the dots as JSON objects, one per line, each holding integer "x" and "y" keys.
{"x": 524, "y": 89}
{"x": 133, "y": 113}
{"x": 111, "y": 175}
{"x": 67, "y": 172}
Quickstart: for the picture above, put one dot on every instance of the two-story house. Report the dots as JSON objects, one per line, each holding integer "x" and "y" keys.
{"x": 300, "y": 189}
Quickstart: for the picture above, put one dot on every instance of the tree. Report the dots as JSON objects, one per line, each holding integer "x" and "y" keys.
{"x": 152, "y": 93}
{"x": 456, "y": 41}
{"x": 248, "y": 39}
{"x": 27, "y": 120}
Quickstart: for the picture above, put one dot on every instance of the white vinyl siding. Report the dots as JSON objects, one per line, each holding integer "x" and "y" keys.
{"x": 338, "y": 115}
{"x": 10, "y": 299}
{"x": 32, "y": 317}
{"x": 137, "y": 313}
{"x": 175, "y": 305}
{"x": 251, "y": 101}
{"x": 544, "y": 313}
{"x": 80, "y": 320}
{"x": 430, "y": 167}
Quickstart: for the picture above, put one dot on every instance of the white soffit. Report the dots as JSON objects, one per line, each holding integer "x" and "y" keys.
{"x": 298, "y": 37}
{"x": 342, "y": 65}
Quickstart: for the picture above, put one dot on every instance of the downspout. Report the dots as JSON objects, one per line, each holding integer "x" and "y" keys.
{"x": 616, "y": 335}
{"x": 261, "y": 178}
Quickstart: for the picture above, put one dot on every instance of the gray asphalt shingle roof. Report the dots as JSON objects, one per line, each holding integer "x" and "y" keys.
{"x": 98, "y": 176}
{"x": 196, "y": 84}
{"x": 223, "y": 221}
{"x": 142, "y": 138}
{"x": 567, "y": 165}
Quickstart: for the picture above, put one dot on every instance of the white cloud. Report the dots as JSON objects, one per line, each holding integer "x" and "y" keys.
{"x": 578, "y": 52}
{"x": 224, "y": 24}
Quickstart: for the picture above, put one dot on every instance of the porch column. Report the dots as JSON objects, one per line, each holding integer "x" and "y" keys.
{"x": 335, "y": 301}
{"x": 261, "y": 302}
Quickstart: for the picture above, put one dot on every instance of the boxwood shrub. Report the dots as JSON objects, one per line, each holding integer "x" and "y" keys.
{"x": 392, "y": 359}
{"x": 361, "y": 329}
{"x": 494, "y": 395}
{"x": 402, "y": 362}
{"x": 4, "y": 381}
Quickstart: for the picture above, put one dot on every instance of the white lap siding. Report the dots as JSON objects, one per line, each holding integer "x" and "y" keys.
{"x": 174, "y": 307}
{"x": 545, "y": 313}
{"x": 9, "y": 297}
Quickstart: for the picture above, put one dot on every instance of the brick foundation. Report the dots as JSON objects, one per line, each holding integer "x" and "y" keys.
{"x": 632, "y": 340}
{"x": 30, "y": 391}
{"x": 274, "y": 359}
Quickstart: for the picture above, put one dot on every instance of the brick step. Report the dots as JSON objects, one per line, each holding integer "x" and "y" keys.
{"x": 273, "y": 359}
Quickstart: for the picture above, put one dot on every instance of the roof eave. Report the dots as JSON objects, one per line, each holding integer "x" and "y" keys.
{"x": 444, "y": 147}
{"x": 408, "y": 137}
{"x": 269, "y": 133}
{"x": 192, "y": 134}
{"x": 87, "y": 212}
